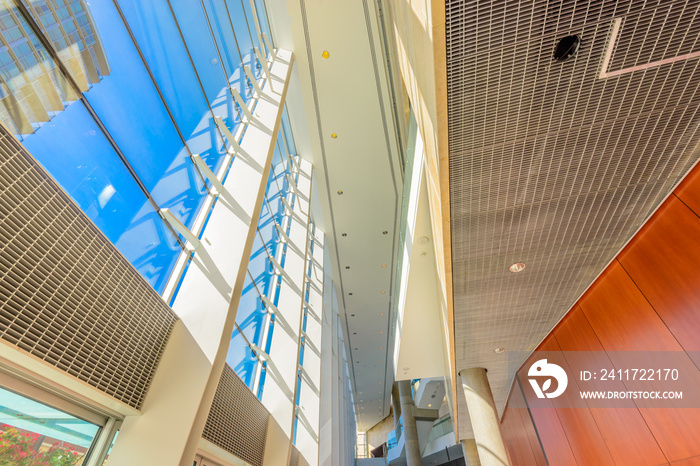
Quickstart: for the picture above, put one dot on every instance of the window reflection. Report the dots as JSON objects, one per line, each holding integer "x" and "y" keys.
{"x": 32, "y": 90}
{"x": 32, "y": 433}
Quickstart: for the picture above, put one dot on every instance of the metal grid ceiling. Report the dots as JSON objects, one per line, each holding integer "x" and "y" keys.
{"x": 67, "y": 295}
{"x": 237, "y": 420}
{"x": 551, "y": 165}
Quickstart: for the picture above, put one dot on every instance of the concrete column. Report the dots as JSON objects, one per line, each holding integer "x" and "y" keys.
{"x": 396, "y": 406}
{"x": 484, "y": 418}
{"x": 471, "y": 455}
{"x": 410, "y": 432}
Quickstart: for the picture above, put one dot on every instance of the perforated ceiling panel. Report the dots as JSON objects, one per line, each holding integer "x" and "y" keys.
{"x": 237, "y": 420}
{"x": 557, "y": 164}
{"x": 67, "y": 295}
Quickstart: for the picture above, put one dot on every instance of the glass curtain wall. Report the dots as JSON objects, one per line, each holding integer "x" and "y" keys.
{"x": 304, "y": 319}
{"x": 255, "y": 323}
{"x": 113, "y": 97}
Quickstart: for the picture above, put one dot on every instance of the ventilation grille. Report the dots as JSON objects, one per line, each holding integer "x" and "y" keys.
{"x": 67, "y": 295}
{"x": 551, "y": 165}
{"x": 237, "y": 420}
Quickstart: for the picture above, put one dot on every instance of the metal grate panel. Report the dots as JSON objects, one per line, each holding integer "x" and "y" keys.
{"x": 674, "y": 31}
{"x": 237, "y": 420}
{"x": 67, "y": 295}
{"x": 550, "y": 164}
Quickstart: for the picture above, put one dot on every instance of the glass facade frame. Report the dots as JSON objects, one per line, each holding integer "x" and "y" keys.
{"x": 114, "y": 98}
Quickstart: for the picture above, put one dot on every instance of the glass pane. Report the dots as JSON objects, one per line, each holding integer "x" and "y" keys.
{"x": 245, "y": 45}
{"x": 241, "y": 359}
{"x": 32, "y": 433}
{"x": 32, "y": 92}
{"x": 262, "y": 18}
{"x": 203, "y": 50}
{"x": 129, "y": 106}
{"x": 249, "y": 54}
{"x": 158, "y": 38}
{"x": 287, "y": 131}
{"x": 76, "y": 153}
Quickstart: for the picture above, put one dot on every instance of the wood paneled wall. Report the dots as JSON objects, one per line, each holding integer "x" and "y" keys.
{"x": 648, "y": 299}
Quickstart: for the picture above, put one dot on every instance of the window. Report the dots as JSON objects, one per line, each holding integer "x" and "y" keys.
{"x": 33, "y": 433}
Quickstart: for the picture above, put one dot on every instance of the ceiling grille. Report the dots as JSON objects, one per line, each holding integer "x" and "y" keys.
{"x": 550, "y": 164}
{"x": 237, "y": 420}
{"x": 67, "y": 295}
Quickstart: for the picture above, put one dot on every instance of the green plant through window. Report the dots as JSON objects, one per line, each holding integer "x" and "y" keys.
{"x": 22, "y": 448}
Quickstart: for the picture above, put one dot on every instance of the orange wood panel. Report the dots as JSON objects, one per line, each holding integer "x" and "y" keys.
{"x": 663, "y": 262}
{"x": 532, "y": 437}
{"x": 585, "y": 438}
{"x": 545, "y": 415}
{"x": 687, "y": 462}
{"x": 689, "y": 190}
{"x": 519, "y": 433}
{"x": 515, "y": 438}
{"x": 623, "y": 428}
{"x": 623, "y": 320}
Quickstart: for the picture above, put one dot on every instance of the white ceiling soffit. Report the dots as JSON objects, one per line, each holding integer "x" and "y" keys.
{"x": 557, "y": 164}
{"x": 347, "y": 94}
{"x": 418, "y": 345}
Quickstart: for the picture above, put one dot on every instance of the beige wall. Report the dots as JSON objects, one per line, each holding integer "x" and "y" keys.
{"x": 378, "y": 433}
{"x": 419, "y": 36}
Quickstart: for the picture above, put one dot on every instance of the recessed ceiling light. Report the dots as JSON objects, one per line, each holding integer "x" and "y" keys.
{"x": 381, "y": 347}
{"x": 334, "y": 136}
{"x": 340, "y": 192}
{"x": 423, "y": 240}
{"x": 352, "y": 315}
{"x": 381, "y": 314}
{"x": 350, "y": 294}
{"x": 429, "y": 405}
{"x": 383, "y": 265}
{"x": 385, "y": 232}
{"x": 517, "y": 267}
{"x": 381, "y": 332}
{"x": 347, "y": 267}
{"x": 498, "y": 350}
{"x": 344, "y": 234}
{"x": 325, "y": 54}
{"x": 383, "y": 292}
{"x": 354, "y": 333}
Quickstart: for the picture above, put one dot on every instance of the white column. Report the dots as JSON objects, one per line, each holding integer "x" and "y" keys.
{"x": 484, "y": 418}
{"x": 410, "y": 431}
